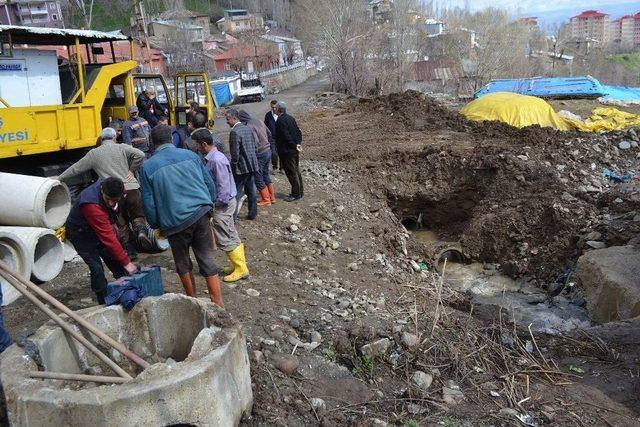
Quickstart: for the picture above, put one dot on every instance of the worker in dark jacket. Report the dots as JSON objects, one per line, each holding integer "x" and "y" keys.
{"x": 178, "y": 195}
{"x": 270, "y": 120}
{"x": 244, "y": 160}
{"x": 91, "y": 228}
{"x": 262, "y": 136}
{"x": 135, "y": 131}
{"x": 288, "y": 144}
{"x": 150, "y": 108}
{"x": 5, "y": 338}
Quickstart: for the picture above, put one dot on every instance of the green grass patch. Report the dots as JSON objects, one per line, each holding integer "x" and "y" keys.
{"x": 630, "y": 61}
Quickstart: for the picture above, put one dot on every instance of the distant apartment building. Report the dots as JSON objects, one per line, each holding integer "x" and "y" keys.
{"x": 238, "y": 20}
{"x": 591, "y": 24}
{"x": 31, "y": 13}
{"x": 626, "y": 29}
{"x": 530, "y": 22}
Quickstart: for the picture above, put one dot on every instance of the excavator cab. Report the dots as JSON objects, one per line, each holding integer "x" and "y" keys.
{"x": 189, "y": 88}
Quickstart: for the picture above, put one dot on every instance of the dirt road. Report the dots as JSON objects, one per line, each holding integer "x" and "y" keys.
{"x": 346, "y": 321}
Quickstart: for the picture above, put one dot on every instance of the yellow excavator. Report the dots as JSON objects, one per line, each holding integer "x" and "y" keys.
{"x": 52, "y": 110}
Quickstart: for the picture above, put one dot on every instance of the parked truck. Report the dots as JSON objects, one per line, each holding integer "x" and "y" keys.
{"x": 53, "y": 108}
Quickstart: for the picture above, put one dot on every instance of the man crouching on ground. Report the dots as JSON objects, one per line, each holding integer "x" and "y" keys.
{"x": 178, "y": 194}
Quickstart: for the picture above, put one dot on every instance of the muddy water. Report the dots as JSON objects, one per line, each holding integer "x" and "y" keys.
{"x": 490, "y": 290}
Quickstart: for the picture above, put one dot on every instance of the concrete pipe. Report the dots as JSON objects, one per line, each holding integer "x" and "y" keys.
{"x": 438, "y": 251}
{"x": 44, "y": 250}
{"x": 14, "y": 253}
{"x": 33, "y": 201}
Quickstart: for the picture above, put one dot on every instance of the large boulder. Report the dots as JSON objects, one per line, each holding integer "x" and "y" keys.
{"x": 611, "y": 278}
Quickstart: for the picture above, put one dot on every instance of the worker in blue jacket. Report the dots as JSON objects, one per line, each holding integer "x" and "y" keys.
{"x": 178, "y": 195}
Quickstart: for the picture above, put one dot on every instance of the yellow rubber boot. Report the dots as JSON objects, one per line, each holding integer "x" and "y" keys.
{"x": 229, "y": 269}
{"x": 239, "y": 263}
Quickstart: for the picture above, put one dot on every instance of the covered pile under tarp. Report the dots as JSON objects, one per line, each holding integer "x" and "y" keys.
{"x": 514, "y": 109}
{"x": 523, "y": 110}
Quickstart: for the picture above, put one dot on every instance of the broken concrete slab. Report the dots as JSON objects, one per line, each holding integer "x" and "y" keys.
{"x": 208, "y": 384}
{"x": 611, "y": 278}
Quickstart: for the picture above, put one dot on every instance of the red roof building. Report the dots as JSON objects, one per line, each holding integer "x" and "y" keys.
{"x": 626, "y": 29}
{"x": 591, "y": 24}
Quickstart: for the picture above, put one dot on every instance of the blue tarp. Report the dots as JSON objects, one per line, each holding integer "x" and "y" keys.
{"x": 222, "y": 94}
{"x": 622, "y": 93}
{"x": 547, "y": 87}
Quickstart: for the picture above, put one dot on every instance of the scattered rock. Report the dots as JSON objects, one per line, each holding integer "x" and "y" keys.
{"x": 318, "y": 405}
{"x": 353, "y": 266}
{"x": 451, "y": 393}
{"x": 376, "y": 348}
{"x": 414, "y": 409}
{"x": 315, "y": 336}
{"x": 422, "y": 380}
{"x": 286, "y": 363}
{"x": 252, "y": 292}
{"x": 257, "y": 356}
{"x": 624, "y": 145}
{"x": 410, "y": 340}
{"x": 325, "y": 226}
{"x": 594, "y": 235}
{"x": 294, "y": 219}
{"x": 376, "y": 422}
{"x": 595, "y": 244}
{"x": 293, "y": 228}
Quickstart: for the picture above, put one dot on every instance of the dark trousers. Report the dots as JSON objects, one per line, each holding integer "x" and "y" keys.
{"x": 5, "y": 339}
{"x": 263, "y": 178}
{"x": 274, "y": 157}
{"x": 149, "y": 117}
{"x": 245, "y": 184}
{"x": 199, "y": 238}
{"x": 93, "y": 253}
{"x": 131, "y": 212}
{"x": 291, "y": 164}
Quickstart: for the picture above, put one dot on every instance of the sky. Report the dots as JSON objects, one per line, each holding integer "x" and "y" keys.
{"x": 551, "y": 12}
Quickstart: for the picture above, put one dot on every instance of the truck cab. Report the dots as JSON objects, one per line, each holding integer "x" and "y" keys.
{"x": 60, "y": 87}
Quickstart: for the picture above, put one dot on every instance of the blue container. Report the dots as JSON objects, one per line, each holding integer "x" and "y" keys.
{"x": 149, "y": 279}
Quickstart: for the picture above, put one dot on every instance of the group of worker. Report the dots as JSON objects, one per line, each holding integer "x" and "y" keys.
{"x": 191, "y": 198}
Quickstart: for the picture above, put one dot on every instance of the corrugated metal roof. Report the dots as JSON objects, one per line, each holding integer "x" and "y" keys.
{"x": 438, "y": 68}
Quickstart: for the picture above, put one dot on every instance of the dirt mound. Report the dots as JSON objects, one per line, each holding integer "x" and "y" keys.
{"x": 525, "y": 198}
{"x": 417, "y": 111}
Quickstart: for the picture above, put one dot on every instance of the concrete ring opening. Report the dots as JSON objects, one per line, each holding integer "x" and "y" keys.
{"x": 199, "y": 373}
{"x": 411, "y": 223}
{"x": 57, "y": 205}
{"x": 48, "y": 258}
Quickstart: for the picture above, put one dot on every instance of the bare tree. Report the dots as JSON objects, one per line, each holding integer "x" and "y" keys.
{"x": 341, "y": 31}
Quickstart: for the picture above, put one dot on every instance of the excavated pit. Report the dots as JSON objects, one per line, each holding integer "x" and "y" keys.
{"x": 199, "y": 373}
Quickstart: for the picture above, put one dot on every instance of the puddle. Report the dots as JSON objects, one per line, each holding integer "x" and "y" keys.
{"x": 425, "y": 236}
{"x": 489, "y": 290}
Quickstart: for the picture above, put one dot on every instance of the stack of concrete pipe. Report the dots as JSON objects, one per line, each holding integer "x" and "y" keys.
{"x": 31, "y": 208}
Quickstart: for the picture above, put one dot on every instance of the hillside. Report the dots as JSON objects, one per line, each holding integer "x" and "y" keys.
{"x": 109, "y": 15}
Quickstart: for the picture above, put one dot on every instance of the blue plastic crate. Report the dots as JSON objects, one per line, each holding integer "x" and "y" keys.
{"x": 149, "y": 278}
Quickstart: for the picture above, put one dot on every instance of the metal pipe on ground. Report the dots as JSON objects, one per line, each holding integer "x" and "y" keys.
{"x": 14, "y": 253}
{"x": 24, "y": 290}
{"x": 33, "y": 201}
{"x": 77, "y": 377}
{"x": 76, "y": 317}
{"x": 43, "y": 248}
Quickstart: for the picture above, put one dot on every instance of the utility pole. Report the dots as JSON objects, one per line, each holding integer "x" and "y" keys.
{"x": 141, "y": 27}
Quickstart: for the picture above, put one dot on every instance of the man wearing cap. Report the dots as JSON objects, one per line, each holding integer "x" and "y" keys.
{"x": 136, "y": 130}
{"x": 178, "y": 194}
{"x": 90, "y": 227}
{"x": 119, "y": 161}
{"x": 149, "y": 108}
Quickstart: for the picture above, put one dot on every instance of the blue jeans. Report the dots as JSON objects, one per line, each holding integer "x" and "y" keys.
{"x": 5, "y": 339}
{"x": 262, "y": 176}
{"x": 245, "y": 184}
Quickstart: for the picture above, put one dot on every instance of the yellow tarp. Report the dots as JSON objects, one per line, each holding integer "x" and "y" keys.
{"x": 514, "y": 109}
{"x": 606, "y": 119}
{"x": 522, "y": 110}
